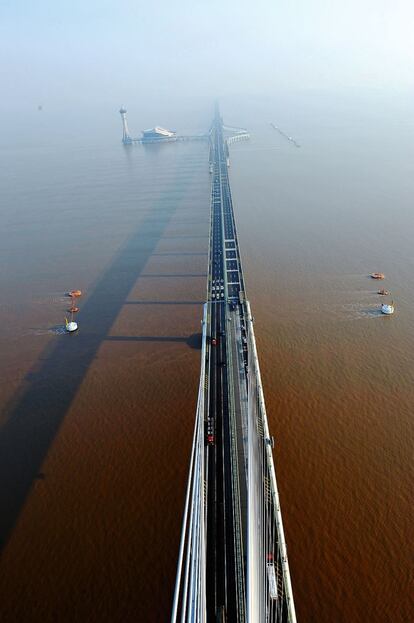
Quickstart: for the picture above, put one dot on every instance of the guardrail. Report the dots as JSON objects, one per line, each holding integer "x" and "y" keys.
{"x": 269, "y": 589}
{"x": 238, "y": 137}
{"x": 189, "y": 603}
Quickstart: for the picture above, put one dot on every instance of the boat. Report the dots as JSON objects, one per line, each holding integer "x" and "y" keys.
{"x": 377, "y": 276}
{"x": 71, "y": 326}
{"x": 383, "y": 292}
{"x": 74, "y": 294}
{"x": 388, "y": 308}
{"x": 73, "y": 308}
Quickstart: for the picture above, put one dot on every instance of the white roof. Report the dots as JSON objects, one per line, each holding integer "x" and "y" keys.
{"x": 159, "y": 130}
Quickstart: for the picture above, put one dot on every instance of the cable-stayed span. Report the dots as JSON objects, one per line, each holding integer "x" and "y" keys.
{"x": 232, "y": 563}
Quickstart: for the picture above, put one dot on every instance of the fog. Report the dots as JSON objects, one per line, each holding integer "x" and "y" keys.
{"x": 104, "y": 50}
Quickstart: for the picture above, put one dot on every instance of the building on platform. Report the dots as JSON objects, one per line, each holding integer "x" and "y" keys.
{"x": 158, "y": 134}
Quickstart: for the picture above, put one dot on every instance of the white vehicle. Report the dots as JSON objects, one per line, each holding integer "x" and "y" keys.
{"x": 271, "y": 577}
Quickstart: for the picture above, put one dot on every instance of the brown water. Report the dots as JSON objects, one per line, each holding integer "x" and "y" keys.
{"x": 96, "y": 427}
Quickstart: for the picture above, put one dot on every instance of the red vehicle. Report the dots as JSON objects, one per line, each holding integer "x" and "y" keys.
{"x": 213, "y": 341}
{"x": 210, "y": 440}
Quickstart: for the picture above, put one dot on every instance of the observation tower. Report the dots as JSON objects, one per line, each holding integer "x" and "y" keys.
{"x": 126, "y": 137}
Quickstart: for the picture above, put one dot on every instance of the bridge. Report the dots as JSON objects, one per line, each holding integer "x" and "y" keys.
{"x": 232, "y": 563}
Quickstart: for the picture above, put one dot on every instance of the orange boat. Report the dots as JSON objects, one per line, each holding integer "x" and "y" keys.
{"x": 377, "y": 275}
{"x": 75, "y": 293}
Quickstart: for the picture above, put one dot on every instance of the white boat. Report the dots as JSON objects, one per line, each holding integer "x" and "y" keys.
{"x": 388, "y": 308}
{"x": 71, "y": 326}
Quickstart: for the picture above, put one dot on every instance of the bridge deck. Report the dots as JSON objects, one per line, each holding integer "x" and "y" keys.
{"x": 225, "y": 542}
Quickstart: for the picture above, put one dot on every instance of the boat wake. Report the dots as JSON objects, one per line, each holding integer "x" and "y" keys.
{"x": 357, "y": 311}
{"x": 57, "y": 330}
{"x": 51, "y": 299}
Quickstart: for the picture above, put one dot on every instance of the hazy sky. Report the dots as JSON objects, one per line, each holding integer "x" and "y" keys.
{"x": 89, "y": 49}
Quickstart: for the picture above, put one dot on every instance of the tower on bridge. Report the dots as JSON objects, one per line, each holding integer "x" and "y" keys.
{"x": 126, "y": 137}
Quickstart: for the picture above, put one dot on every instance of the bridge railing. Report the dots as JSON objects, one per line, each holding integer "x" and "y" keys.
{"x": 269, "y": 590}
{"x": 238, "y": 137}
{"x": 189, "y": 603}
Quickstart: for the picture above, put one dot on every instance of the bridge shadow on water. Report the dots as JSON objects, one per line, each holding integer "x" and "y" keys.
{"x": 180, "y": 254}
{"x": 193, "y": 341}
{"x": 164, "y": 303}
{"x": 35, "y": 415}
{"x": 173, "y": 275}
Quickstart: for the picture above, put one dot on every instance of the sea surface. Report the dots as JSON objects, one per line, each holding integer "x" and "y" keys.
{"x": 96, "y": 427}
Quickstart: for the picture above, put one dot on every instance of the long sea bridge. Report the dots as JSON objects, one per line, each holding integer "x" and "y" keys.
{"x": 232, "y": 563}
